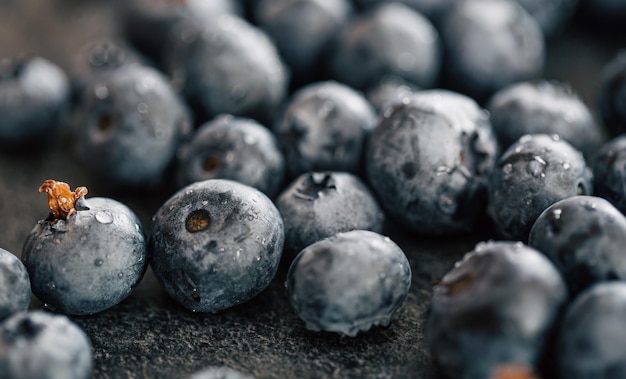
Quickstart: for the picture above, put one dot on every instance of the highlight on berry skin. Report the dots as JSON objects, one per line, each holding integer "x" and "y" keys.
{"x": 61, "y": 200}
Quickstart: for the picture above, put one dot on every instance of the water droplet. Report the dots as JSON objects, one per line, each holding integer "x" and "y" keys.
{"x": 250, "y": 140}
{"x": 140, "y": 259}
{"x": 556, "y": 137}
{"x": 104, "y": 217}
{"x": 442, "y": 170}
{"x": 143, "y": 108}
{"x": 120, "y": 275}
{"x": 52, "y": 286}
{"x": 101, "y": 92}
{"x": 98, "y": 262}
{"x": 566, "y": 166}
{"x": 144, "y": 85}
{"x": 447, "y": 203}
{"x": 536, "y": 167}
{"x": 258, "y": 258}
{"x": 508, "y": 168}
{"x": 589, "y": 205}
{"x": 528, "y": 200}
{"x": 188, "y": 192}
{"x": 526, "y": 138}
{"x": 50, "y": 307}
{"x": 387, "y": 239}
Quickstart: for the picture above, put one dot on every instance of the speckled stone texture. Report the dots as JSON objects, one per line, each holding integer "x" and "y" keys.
{"x": 148, "y": 335}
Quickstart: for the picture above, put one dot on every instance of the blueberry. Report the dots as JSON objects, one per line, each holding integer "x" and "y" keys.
{"x": 317, "y": 205}
{"x": 388, "y": 92}
{"x": 391, "y": 39}
{"x": 303, "y": 31}
{"x": 129, "y": 126}
{"x": 490, "y": 44}
{"x": 34, "y": 95}
{"x": 88, "y": 259}
{"x": 432, "y": 9}
{"x": 609, "y": 172}
{"x": 15, "y": 289}
{"x": 428, "y": 160}
{"x": 233, "y": 148}
{"x": 612, "y": 94}
{"x": 592, "y": 339}
{"x": 324, "y": 127}
{"x": 547, "y": 107}
{"x": 42, "y": 345}
{"x": 219, "y": 373}
{"x": 493, "y": 311}
{"x": 349, "y": 282}
{"x": 215, "y": 244}
{"x": 147, "y": 23}
{"x": 228, "y": 66}
{"x": 535, "y": 172}
{"x": 585, "y": 237}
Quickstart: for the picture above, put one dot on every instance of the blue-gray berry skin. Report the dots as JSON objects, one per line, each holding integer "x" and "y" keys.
{"x": 592, "y": 338}
{"x": 584, "y": 236}
{"x": 228, "y": 66}
{"x": 324, "y": 127}
{"x": 34, "y": 94}
{"x": 551, "y": 15}
{"x": 390, "y": 91}
{"x": 234, "y": 148}
{"x": 303, "y": 31}
{"x": 542, "y": 106}
{"x": 609, "y": 172}
{"x": 490, "y": 44}
{"x": 535, "y": 172}
{"x": 130, "y": 124}
{"x": 317, "y": 205}
{"x": 215, "y": 244}
{"x": 432, "y": 9}
{"x": 349, "y": 282}
{"x": 391, "y": 39}
{"x": 219, "y": 373}
{"x": 612, "y": 94}
{"x": 495, "y": 307}
{"x": 15, "y": 289}
{"x": 43, "y": 345}
{"x": 428, "y": 160}
{"x": 89, "y": 262}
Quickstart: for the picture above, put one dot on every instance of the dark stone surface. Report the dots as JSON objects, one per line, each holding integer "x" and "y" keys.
{"x": 148, "y": 335}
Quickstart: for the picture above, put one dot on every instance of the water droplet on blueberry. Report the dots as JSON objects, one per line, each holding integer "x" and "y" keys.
{"x": 104, "y": 217}
{"x": 98, "y": 262}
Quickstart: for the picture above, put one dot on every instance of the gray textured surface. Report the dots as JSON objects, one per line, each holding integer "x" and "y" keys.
{"x": 148, "y": 335}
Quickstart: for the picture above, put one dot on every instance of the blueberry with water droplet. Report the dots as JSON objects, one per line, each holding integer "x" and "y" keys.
{"x": 204, "y": 249}
{"x": 324, "y": 127}
{"x": 546, "y": 107}
{"x": 15, "y": 291}
{"x": 428, "y": 161}
{"x": 585, "y": 237}
{"x": 232, "y": 148}
{"x": 349, "y": 282}
{"x": 42, "y": 345}
{"x": 128, "y": 139}
{"x": 74, "y": 262}
{"x": 494, "y": 308}
{"x": 320, "y": 204}
{"x": 532, "y": 174}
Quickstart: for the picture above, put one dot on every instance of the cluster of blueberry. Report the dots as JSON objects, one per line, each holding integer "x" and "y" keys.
{"x": 289, "y": 132}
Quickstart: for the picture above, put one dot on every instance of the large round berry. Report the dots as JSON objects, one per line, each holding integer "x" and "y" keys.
{"x": 42, "y": 345}
{"x": 609, "y": 172}
{"x": 428, "y": 160}
{"x": 612, "y": 94}
{"x": 532, "y": 174}
{"x": 15, "y": 289}
{"x": 34, "y": 93}
{"x": 317, "y": 205}
{"x": 349, "y": 282}
{"x": 493, "y": 311}
{"x": 88, "y": 259}
{"x": 216, "y": 244}
{"x": 232, "y": 148}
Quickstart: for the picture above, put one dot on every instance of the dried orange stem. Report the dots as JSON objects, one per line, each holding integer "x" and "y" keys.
{"x": 61, "y": 199}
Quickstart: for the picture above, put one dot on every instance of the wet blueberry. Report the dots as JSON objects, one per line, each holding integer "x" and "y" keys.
{"x": 592, "y": 339}
{"x": 87, "y": 259}
{"x": 42, "y": 345}
{"x": 228, "y": 66}
{"x": 129, "y": 125}
{"x": 317, "y": 205}
{"x": 493, "y": 311}
{"x": 324, "y": 127}
{"x": 535, "y": 172}
{"x": 15, "y": 289}
{"x": 390, "y": 91}
{"x": 547, "y": 107}
{"x": 233, "y": 148}
{"x": 490, "y": 44}
{"x": 349, "y": 282}
{"x": 390, "y": 39}
{"x": 609, "y": 172}
{"x": 216, "y": 244}
{"x": 34, "y": 95}
{"x": 428, "y": 160}
{"x": 303, "y": 31}
{"x": 584, "y": 236}
{"x": 612, "y": 94}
